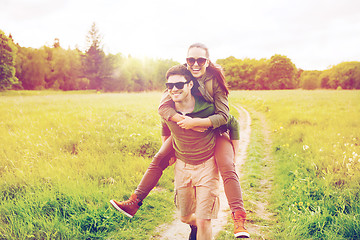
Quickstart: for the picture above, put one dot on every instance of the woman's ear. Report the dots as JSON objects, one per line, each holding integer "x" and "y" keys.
{"x": 207, "y": 63}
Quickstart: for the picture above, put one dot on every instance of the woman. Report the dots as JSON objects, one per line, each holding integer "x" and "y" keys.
{"x": 212, "y": 86}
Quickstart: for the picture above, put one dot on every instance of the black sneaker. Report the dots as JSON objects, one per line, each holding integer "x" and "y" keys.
{"x": 193, "y": 232}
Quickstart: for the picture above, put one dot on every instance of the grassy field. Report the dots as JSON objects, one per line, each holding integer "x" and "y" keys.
{"x": 63, "y": 156}
{"x": 316, "y": 152}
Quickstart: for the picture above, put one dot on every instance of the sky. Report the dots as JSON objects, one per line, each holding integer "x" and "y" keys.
{"x": 314, "y": 34}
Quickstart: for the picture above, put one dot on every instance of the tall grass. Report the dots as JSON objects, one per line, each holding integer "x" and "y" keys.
{"x": 316, "y": 147}
{"x": 64, "y": 156}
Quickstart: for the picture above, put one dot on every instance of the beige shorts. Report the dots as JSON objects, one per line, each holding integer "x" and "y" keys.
{"x": 197, "y": 189}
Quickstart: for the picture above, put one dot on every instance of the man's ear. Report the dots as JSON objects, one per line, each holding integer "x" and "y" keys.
{"x": 191, "y": 84}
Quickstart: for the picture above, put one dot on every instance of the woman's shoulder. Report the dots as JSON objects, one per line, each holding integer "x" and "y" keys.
{"x": 208, "y": 76}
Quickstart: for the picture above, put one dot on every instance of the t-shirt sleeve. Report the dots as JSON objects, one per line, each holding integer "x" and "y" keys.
{"x": 165, "y": 130}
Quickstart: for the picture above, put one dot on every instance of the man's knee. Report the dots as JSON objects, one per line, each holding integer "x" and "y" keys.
{"x": 203, "y": 223}
{"x": 186, "y": 219}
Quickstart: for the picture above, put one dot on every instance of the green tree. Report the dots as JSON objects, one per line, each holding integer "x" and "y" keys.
{"x": 31, "y": 68}
{"x": 234, "y": 70}
{"x": 94, "y": 61}
{"x": 133, "y": 68}
{"x": 64, "y": 69}
{"x": 132, "y": 74}
{"x": 345, "y": 75}
{"x": 310, "y": 80}
{"x": 76, "y": 78}
{"x": 281, "y": 72}
{"x": 7, "y": 62}
{"x": 161, "y": 66}
{"x": 115, "y": 80}
{"x": 245, "y": 74}
{"x": 324, "y": 79}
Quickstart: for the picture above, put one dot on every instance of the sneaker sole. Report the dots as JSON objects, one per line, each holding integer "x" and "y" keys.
{"x": 242, "y": 235}
{"x": 119, "y": 209}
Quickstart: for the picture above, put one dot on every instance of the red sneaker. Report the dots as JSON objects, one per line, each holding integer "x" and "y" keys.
{"x": 240, "y": 231}
{"x": 128, "y": 207}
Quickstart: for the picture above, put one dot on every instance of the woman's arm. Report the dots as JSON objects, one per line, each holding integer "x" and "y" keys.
{"x": 191, "y": 123}
{"x": 220, "y": 99}
{"x": 220, "y": 117}
{"x": 165, "y": 134}
{"x": 234, "y": 133}
{"x": 221, "y": 103}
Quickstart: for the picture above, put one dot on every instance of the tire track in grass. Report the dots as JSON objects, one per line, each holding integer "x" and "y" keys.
{"x": 260, "y": 219}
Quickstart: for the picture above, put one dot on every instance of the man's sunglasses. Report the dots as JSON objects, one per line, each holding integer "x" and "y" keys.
{"x": 178, "y": 85}
{"x": 191, "y": 61}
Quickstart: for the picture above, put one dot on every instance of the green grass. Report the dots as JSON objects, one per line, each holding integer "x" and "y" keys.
{"x": 316, "y": 150}
{"x": 65, "y": 155}
{"x": 251, "y": 174}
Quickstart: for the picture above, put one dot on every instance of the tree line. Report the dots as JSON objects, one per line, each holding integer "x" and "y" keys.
{"x": 53, "y": 67}
{"x": 279, "y": 72}
{"x": 60, "y": 69}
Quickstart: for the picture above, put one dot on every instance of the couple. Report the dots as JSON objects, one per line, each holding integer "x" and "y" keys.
{"x": 198, "y": 93}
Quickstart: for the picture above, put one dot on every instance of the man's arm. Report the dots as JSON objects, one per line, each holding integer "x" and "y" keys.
{"x": 164, "y": 138}
{"x": 167, "y": 108}
{"x": 165, "y": 134}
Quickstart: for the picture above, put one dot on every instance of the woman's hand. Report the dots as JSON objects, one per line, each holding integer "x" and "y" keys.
{"x": 187, "y": 123}
{"x": 236, "y": 146}
{"x": 195, "y": 124}
{"x": 199, "y": 129}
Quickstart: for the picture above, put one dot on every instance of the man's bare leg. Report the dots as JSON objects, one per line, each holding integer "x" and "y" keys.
{"x": 189, "y": 219}
{"x": 204, "y": 229}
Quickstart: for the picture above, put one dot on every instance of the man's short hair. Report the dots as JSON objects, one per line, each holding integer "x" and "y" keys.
{"x": 179, "y": 70}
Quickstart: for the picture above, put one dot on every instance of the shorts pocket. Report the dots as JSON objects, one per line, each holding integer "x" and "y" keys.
{"x": 176, "y": 200}
{"x": 215, "y": 207}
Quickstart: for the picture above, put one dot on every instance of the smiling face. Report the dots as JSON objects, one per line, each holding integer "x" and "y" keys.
{"x": 196, "y": 53}
{"x": 179, "y": 95}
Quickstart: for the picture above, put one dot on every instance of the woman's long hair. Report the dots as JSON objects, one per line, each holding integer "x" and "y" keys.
{"x": 214, "y": 69}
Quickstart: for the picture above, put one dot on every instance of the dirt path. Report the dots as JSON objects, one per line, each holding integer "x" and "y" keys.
{"x": 260, "y": 218}
{"x": 178, "y": 230}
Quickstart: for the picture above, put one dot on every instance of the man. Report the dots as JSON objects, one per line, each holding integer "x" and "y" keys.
{"x": 196, "y": 173}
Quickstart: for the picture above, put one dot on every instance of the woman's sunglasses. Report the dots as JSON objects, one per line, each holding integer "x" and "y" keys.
{"x": 191, "y": 61}
{"x": 178, "y": 85}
